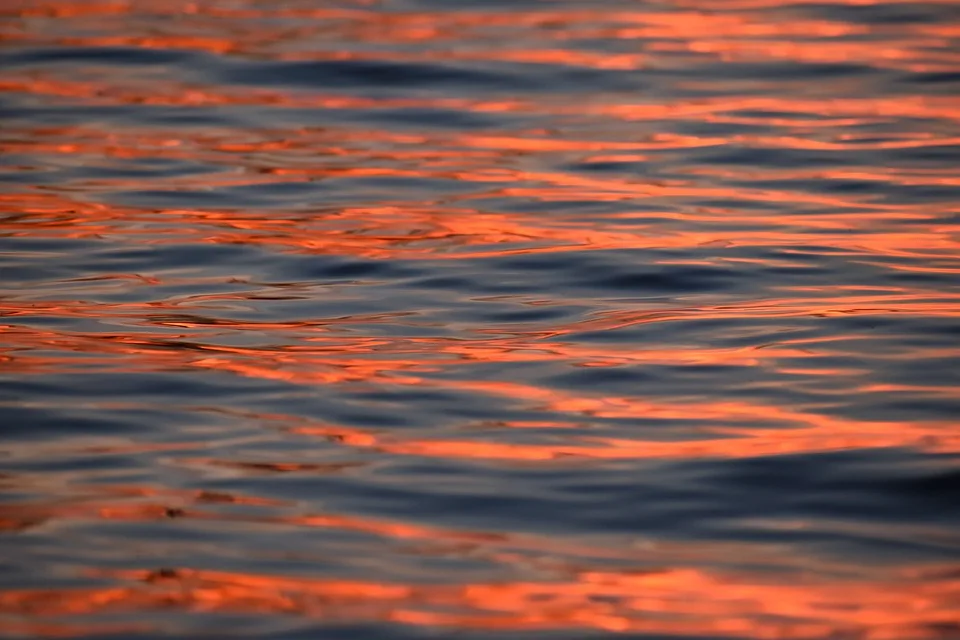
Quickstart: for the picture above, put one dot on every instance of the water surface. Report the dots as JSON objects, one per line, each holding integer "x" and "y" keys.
{"x": 412, "y": 319}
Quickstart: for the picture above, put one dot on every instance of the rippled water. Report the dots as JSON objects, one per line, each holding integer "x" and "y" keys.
{"x": 417, "y": 319}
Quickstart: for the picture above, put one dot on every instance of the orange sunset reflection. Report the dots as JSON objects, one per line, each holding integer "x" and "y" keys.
{"x": 667, "y": 601}
{"x": 280, "y": 277}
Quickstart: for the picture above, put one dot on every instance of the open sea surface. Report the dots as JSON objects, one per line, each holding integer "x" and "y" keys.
{"x": 475, "y": 320}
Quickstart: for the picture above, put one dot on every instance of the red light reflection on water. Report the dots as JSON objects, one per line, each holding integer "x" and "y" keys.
{"x": 690, "y": 592}
{"x": 686, "y": 601}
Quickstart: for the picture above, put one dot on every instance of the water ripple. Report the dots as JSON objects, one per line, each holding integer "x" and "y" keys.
{"x": 410, "y": 319}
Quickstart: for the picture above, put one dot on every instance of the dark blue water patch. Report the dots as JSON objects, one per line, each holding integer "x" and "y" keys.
{"x": 397, "y": 187}
{"x": 786, "y": 266}
{"x": 141, "y": 115}
{"x": 220, "y": 199}
{"x": 448, "y": 282}
{"x": 24, "y": 422}
{"x": 440, "y": 118}
{"x": 28, "y": 163}
{"x": 111, "y": 56}
{"x": 782, "y": 275}
{"x": 479, "y": 286}
{"x": 608, "y": 166}
{"x": 939, "y": 371}
{"x": 606, "y": 380}
{"x": 275, "y": 191}
{"x": 405, "y": 406}
{"x": 368, "y": 416}
{"x": 772, "y": 114}
{"x": 928, "y": 156}
{"x": 10, "y": 100}
{"x": 82, "y": 461}
{"x": 880, "y": 14}
{"x": 674, "y": 279}
{"x": 791, "y": 71}
{"x": 399, "y": 118}
{"x": 16, "y": 248}
{"x": 294, "y": 196}
{"x": 906, "y": 406}
{"x": 945, "y": 80}
{"x": 627, "y": 503}
{"x": 888, "y": 326}
{"x": 872, "y": 484}
{"x": 321, "y": 268}
{"x": 437, "y": 408}
{"x": 756, "y": 385}
{"x": 874, "y": 190}
{"x": 828, "y": 537}
{"x": 521, "y": 315}
{"x": 434, "y": 405}
{"x": 707, "y": 129}
{"x": 781, "y": 158}
{"x": 533, "y": 507}
{"x": 423, "y": 400}
{"x": 611, "y": 273}
{"x": 924, "y": 499}
{"x": 159, "y": 386}
{"x": 113, "y": 257}
{"x": 666, "y": 381}
{"x": 141, "y": 168}
{"x": 567, "y": 262}
{"x": 938, "y": 487}
{"x": 30, "y": 176}
{"x": 27, "y": 271}
{"x": 863, "y": 271}
{"x": 946, "y": 279}
{"x": 383, "y": 77}
{"x": 378, "y": 74}
{"x": 192, "y": 117}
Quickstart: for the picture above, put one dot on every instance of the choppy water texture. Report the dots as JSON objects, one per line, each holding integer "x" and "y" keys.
{"x": 417, "y": 319}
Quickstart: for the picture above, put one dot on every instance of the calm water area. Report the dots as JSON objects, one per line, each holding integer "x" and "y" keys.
{"x": 480, "y": 320}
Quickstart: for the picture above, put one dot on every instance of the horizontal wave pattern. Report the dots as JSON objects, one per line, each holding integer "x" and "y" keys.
{"x": 415, "y": 319}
